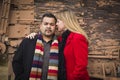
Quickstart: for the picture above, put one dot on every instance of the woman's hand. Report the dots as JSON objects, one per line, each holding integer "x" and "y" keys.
{"x": 31, "y": 35}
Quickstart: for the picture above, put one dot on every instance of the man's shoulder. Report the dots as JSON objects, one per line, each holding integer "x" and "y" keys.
{"x": 27, "y": 40}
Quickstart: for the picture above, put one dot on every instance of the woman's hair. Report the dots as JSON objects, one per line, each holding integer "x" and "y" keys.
{"x": 71, "y": 22}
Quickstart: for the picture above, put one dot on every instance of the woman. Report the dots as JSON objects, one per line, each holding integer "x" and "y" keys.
{"x": 74, "y": 46}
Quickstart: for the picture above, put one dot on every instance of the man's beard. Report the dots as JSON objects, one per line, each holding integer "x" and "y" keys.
{"x": 49, "y": 33}
{"x": 48, "y": 30}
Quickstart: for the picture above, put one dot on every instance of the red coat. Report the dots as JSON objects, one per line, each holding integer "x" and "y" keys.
{"x": 76, "y": 57}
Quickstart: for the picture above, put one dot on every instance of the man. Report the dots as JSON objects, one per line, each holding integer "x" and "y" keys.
{"x": 37, "y": 59}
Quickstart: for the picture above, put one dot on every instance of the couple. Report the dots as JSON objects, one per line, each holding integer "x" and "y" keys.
{"x": 47, "y": 57}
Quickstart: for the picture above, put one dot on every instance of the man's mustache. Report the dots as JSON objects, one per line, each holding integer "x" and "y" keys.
{"x": 48, "y": 30}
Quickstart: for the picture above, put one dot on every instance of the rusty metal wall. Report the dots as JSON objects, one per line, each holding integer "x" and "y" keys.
{"x": 21, "y": 17}
{"x": 103, "y": 28}
{"x": 99, "y": 18}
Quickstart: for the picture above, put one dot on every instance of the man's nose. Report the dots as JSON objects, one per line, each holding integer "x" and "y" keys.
{"x": 48, "y": 26}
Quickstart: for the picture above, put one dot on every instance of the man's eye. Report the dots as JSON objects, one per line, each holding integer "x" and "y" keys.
{"x": 45, "y": 23}
{"x": 52, "y": 24}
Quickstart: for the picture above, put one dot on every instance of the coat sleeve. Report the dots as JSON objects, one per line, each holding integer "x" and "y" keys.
{"x": 80, "y": 50}
{"x": 17, "y": 62}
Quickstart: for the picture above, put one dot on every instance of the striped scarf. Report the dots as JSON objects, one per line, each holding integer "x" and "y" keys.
{"x": 36, "y": 69}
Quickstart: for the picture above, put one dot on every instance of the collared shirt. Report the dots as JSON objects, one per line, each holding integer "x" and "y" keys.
{"x": 46, "y": 56}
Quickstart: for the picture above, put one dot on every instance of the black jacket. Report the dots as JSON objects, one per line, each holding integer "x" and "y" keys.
{"x": 23, "y": 58}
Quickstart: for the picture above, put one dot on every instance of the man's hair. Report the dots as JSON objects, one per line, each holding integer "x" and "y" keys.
{"x": 48, "y": 14}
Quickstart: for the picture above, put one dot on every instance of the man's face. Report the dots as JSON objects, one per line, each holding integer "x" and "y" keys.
{"x": 47, "y": 26}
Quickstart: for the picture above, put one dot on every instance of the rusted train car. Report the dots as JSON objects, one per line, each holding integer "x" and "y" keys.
{"x": 99, "y": 18}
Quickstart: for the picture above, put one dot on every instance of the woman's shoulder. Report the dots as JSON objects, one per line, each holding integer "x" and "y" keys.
{"x": 77, "y": 36}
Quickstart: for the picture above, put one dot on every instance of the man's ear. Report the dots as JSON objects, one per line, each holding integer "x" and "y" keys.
{"x": 39, "y": 25}
{"x": 56, "y": 28}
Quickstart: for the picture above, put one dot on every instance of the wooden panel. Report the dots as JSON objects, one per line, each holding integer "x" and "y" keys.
{"x": 26, "y": 7}
{"x": 0, "y": 8}
{"x": 11, "y": 50}
{"x": 3, "y": 25}
{"x": 2, "y": 48}
{"x": 22, "y": 16}
{"x": 26, "y": 15}
{"x": 109, "y": 69}
{"x": 15, "y": 43}
{"x": 19, "y": 16}
{"x": 18, "y": 31}
{"x": 111, "y": 78}
{"x": 12, "y": 17}
{"x": 96, "y": 70}
{"x": 22, "y": 1}
{"x": 26, "y": 1}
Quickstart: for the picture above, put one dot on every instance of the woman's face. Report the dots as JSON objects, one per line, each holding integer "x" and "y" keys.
{"x": 60, "y": 25}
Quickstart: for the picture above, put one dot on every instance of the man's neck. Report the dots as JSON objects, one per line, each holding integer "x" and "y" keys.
{"x": 47, "y": 38}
